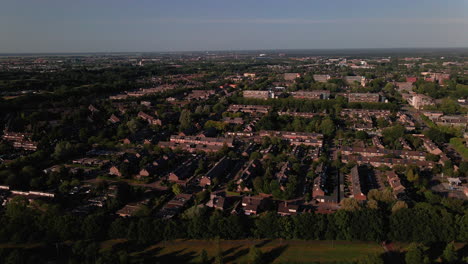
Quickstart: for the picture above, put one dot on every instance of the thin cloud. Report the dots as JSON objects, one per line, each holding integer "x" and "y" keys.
{"x": 303, "y": 21}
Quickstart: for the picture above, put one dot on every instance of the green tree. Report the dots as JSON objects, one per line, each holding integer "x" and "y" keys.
{"x": 399, "y": 205}
{"x": 415, "y": 255}
{"x": 185, "y": 119}
{"x": 350, "y": 204}
{"x": 371, "y": 259}
{"x": 176, "y": 189}
{"x": 411, "y": 176}
{"x": 258, "y": 184}
{"x": 361, "y": 135}
{"x": 448, "y": 168}
{"x": 63, "y": 150}
{"x": 382, "y": 122}
{"x": 219, "y": 254}
{"x": 449, "y": 107}
{"x": 255, "y": 155}
{"x": 450, "y": 254}
{"x": 327, "y": 127}
{"x": 255, "y": 255}
{"x": 15, "y": 257}
{"x": 134, "y": 125}
{"x": 204, "y": 257}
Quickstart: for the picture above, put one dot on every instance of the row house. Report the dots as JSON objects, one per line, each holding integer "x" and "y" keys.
{"x": 150, "y": 170}
{"x": 376, "y": 152}
{"x": 147, "y": 171}
{"x": 151, "y": 120}
{"x": 318, "y": 190}
{"x": 26, "y": 145}
{"x": 200, "y": 94}
{"x": 390, "y": 162}
{"x": 433, "y": 114}
{"x": 142, "y": 92}
{"x": 146, "y": 103}
{"x": 306, "y": 142}
{"x": 253, "y": 205}
{"x": 91, "y": 162}
{"x": 119, "y": 97}
{"x": 323, "y": 78}
{"x": 314, "y": 154}
{"x": 290, "y": 135}
{"x": 220, "y": 169}
{"x": 287, "y": 208}
{"x": 240, "y": 134}
{"x": 300, "y": 114}
{"x": 123, "y": 107}
{"x": 456, "y": 121}
{"x": 404, "y": 144}
{"x": 114, "y": 119}
{"x": 395, "y": 182}
{"x": 356, "y": 186}
{"x": 258, "y": 94}
{"x": 210, "y": 141}
{"x": 364, "y": 125}
{"x": 252, "y": 109}
{"x": 184, "y": 173}
{"x": 363, "y": 98}
{"x": 365, "y": 113}
{"x": 290, "y": 76}
{"x": 377, "y": 142}
{"x": 93, "y": 109}
{"x": 404, "y": 86}
{"x": 233, "y": 120}
{"x": 129, "y": 210}
{"x": 249, "y": 75}
{"x": 351, "y": 79}
{"x": 219, "y": 201}
{"x": 436, "y": 77}
{"x": 243, "y": 178}
{"x": 175, "y": 206}
{"x": 432, "y": 148}
{"x": 190, "y": 147}
{"x": 282, "y": 175}
{"x": 15, "y": 136}
{"x": 250, "y": 126}
{"x": 406, "y": 121}
{"x": 311, "y": 95}
{"x": 295, "y": 138}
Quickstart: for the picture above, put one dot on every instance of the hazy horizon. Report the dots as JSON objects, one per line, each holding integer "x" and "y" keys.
{"x": 53, "y": 26}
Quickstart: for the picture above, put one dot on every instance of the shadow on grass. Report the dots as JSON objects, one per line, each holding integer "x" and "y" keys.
{"x": 463, "y": 251}
{"x": 173, "y": 257}
{"x": 236, "y": 255}
{"x": 128, "y": 246}
{"x": 273, "y": 254}
{"x": 436, "y": 249}
{"x": 230, "y": 250}
{"x": 394, "y": 257}
{"x": 263, "y": 243}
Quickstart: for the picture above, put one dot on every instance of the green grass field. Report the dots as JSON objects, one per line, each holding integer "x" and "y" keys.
{"x": 276, "y": 251}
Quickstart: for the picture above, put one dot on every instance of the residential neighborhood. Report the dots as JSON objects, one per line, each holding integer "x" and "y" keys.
{"x": 286, "y": 138}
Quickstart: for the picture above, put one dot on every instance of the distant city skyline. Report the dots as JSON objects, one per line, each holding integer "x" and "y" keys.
{"x": 29, "y": 26}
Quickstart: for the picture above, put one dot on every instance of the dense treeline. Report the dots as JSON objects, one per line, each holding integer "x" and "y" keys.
{"x": 425, "y": 223}
{"x": 77, "y": 239}
{"x": 330, "y": 106}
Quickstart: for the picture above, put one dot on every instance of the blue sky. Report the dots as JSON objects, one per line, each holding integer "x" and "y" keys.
{"x": 182, "y": 25}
